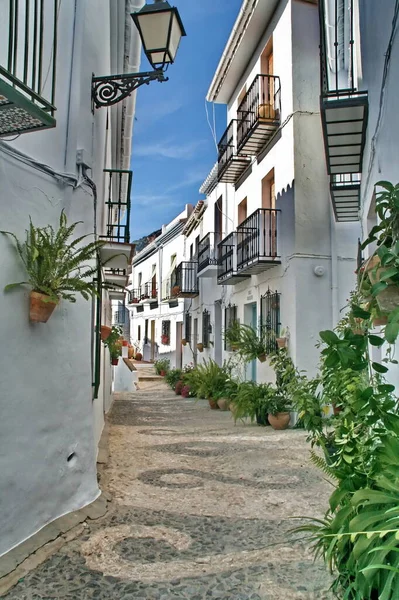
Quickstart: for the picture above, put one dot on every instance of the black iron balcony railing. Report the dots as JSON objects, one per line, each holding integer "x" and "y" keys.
{"x": 257, "y": 240}
{"x": 226, "y": 256}
{"x": 207, "y": 252}
{"x": 118, "y": 185}
{"x": 149, "y": 291}
{"x": 134, "y": 296}
{"x": 28, "y": 60}
{"x": 184, "y": 283}
{"x": 258, "y": 114}
{"x": 230, "y": 165}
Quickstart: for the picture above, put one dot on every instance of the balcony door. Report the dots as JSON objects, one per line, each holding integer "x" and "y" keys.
{"x": 269, "y": 227}
{"x": 267, "y": 90}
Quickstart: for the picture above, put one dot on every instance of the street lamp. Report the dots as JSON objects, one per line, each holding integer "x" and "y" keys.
{"x": 161, "y": 29}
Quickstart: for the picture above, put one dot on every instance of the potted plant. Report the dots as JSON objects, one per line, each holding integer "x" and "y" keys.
{"x": 225, "y": 396}
{"x": 278, "y": 412}
{"x": 185, "y": 392}
{"x": 165, "y": 340}
{"x": 57, "y": 269}
{"x": 184, "y": 342}
{"x": 114, "y": 344}
{"x": 200, "y": 347}
{"x": 125, "y": 343}
{"x": 251, "y": 401}
{"x": 179, "y": 387}
{"x": 209, "y": 381}
{"x": 130, "y": 352}
{"x": 175, "y": 290}
{"x": 232, "y": 336}
{"x": 105, "y": 332}
{"x": 138, "y": 356}
{"x": 254, "y": 346}
{"x": 162, "y": 366}
{"x": 173, "y": 376}
{"x": 282, "y": 339}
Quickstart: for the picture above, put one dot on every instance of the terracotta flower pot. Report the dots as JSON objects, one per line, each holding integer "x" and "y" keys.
{"x": 213, "y": 404}
{"x": 383, "y": 320}
{"x": 336, "y": 409}
{"x": 266, "y": 111}
{"x": 125, "y": 343}
{"x": 40, "y": 310}
{"x": 130, "y": 352}
{"x": 281, "y": 342}
{"x": 223, "y": 403}
{"x": 200, "y": 347}
{"x": 184, "y": 342}
{"x": 139, "y": 356}
{"x": 114, "y": 361}
{"x": 262, "y": 358}
{"x": 175, "y": 290}
{"x": 162, "y": 373}
{"x": 388, "y": 299}
{"x": 105, "y": 332}
{"x": 280, "y": 420}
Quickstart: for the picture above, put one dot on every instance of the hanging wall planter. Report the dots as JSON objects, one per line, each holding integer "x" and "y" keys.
{"x": 281, "y": 342}
{"x": 200, "y": 347}
{"x": 387, "y": 299}
{"x": 184, "y": 342}
{"x": 175, "y": 290}
{"x": 105, "y": 332}
{"x": 114, "y": 361}
{"x": 262, "y": 358}
{"x": 41, "y": 307}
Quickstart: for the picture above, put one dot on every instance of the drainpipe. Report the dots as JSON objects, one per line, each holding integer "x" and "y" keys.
{"x": 334, "y": 274}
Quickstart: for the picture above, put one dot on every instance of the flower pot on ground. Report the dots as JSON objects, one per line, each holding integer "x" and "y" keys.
{"x": 162, "y": 373}
{"x": 200, "y": 347}
{"x": 261, "y": 416}
{"x": 223, "y": 403}
{"x": 185, "y": 392}
{"x": 162, "y": 366}
{"x": 279, "y": 420}
{"x": 178, "y": 388}
{"x": 105, "y": 332}
{"x": 213, "y": 404}
{"x": 41, "y": 307}
{"x": 138, "y": 356}
{"x": 130, "y": 352}
{"x": 55, "y": 268}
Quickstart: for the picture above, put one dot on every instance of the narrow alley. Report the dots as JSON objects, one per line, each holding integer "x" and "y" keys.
{"x": 200, "y": 509}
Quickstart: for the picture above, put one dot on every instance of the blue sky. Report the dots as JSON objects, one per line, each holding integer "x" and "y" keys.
{"x": 173, "y": 149}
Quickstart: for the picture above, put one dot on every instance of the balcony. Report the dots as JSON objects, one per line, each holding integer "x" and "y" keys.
{"x": 184, "y": 283}
{"x": 227, "y": 261}
{"x": 345, "y": 194}
{"x": 116, "y": 278}
{"x": 259, "y": 114}
{"x": 207, "y": 256}
{"x": 117, "y": 252}
{"x": 257, "y": 248}
{"x": 344, "y": 109}
{"x": 230, "y": 165}
{"x": 28, "y": 57}
{"x": 134, "y": 296}
{"x": 148, "y": 292}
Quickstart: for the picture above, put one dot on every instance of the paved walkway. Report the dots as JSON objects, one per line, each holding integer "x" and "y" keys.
{"x": 200, "y": 510}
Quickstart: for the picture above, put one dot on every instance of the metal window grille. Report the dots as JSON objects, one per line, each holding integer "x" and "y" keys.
{"x": 230, "y": 317}
{"x": 165, "y": 333}
{"x": 206, "y": 328}
{"x": 187, "y": 333}
{"x": 270, "y": 319}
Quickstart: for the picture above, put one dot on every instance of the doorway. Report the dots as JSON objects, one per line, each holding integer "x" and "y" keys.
{"x": 217, "y": 334}
{"x": 251, "y": 318}
{"x": 179, "y": 352}
{"x": 152, "y": 341}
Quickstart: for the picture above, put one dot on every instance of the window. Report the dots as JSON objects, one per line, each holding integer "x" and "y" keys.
{"x": 187, "y": 333}
{"x": 139, "y": 333}
{"x": 230, "y": 317}
{"x": 139, "y": 280}
{"x": 191, "y": 251}
{"x": 206, "y": 328}
{"x": 218, "y": 219}
{"x": 165, "y": 339}
{"x": 268, "y": 191}
{"x": 242, "y": 211}
{"x": 270, "y": 319}
{"x": 146, "y": 331}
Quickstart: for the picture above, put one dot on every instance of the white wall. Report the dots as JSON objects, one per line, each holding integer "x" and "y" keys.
{"x": 45, "y": 374}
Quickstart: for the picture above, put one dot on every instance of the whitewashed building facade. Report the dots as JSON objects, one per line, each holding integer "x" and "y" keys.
{"x": 58, "y": 152}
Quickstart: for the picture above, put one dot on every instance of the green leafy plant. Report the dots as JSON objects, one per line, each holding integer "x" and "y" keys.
{"x": 114, "y": 342}
{"x": 208, "y": 379}
{"x": 252, "y": 399}
{"x": 250, "y": 343}
{"x": 162, "y": 365}
{"x": 55, "y": 265}
{"x": 173, "y": 376}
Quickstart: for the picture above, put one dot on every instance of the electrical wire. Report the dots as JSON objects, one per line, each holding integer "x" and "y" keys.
{"x": 213, "y": 130}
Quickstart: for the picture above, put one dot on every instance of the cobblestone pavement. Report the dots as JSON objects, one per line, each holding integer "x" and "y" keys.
{"x": 201, "y": 509}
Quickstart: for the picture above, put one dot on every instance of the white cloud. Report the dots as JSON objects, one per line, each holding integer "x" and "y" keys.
{"x": 168, "y": 149}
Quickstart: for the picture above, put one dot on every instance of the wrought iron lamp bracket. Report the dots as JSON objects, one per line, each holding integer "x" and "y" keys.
{"x": 111, "y": 89}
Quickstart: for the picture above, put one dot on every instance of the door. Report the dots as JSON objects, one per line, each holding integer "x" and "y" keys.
{"x": 195, "y": 342}
{"x": 218, "y": 334}
{"x": 251, "y": 318}
{"x": 152, "y": 341}
{"x": 179, "y": 353}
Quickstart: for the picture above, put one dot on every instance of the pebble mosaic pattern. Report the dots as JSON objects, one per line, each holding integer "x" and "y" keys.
{"x": 139, "y": 552}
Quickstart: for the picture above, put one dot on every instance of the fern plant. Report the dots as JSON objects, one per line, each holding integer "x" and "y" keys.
{"x": 57, "y": 266}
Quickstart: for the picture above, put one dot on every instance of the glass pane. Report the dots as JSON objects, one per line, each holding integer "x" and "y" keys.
{"x": 155, "y": 29}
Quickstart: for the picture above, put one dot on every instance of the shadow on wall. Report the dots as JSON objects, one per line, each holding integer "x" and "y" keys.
{"x": 285, "y": 201}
